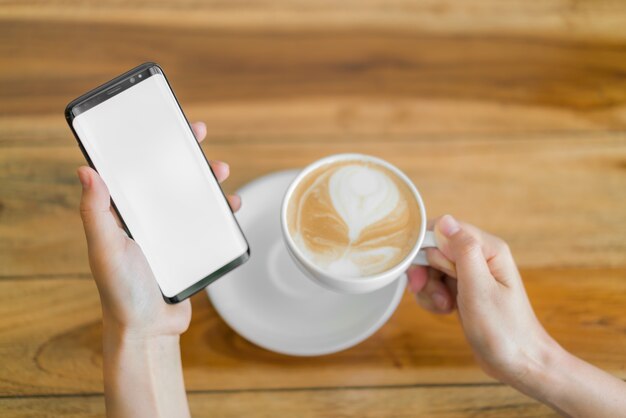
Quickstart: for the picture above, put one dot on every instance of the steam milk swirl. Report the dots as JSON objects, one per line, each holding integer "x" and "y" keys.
{"x": 362, "y": 196}
{"x": 353, "y": 218}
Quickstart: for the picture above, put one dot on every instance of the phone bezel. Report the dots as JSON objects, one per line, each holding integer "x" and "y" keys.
{"x": 110, "y": 89}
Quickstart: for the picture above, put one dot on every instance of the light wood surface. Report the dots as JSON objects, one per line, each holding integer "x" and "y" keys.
{"x": 511, "y": 115}
{"x": 555, "y": 199}
{"x": 407, "y": 401}
{"x": 53, "y": 350}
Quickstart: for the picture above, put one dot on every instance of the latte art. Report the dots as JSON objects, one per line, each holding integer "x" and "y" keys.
{"x": 362, "y": 196}
{"x": 353, "y": 218}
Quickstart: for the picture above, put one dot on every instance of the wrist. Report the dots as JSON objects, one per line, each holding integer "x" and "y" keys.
{"x": 142, "y": 373}
{"x": 119, "y": 335}
{"x": 147, "y": 321}
{"x": 541, "y": 371}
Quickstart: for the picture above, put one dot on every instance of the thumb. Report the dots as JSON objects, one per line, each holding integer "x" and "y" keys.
{"x": 101, "y": 229}
{"x": 465, "y": 250}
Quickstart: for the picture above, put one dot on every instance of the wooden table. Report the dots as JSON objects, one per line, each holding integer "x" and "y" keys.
{"x": 510, "y": 115}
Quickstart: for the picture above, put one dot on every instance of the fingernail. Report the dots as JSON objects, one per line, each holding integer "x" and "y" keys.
{"x": 220, "y": 165}
{"x": 199, "y": 124}
{"x": 84, "y": 179}
{"x": 234, "y": 201}
{"x": 441, "y": 302}
{"x": 449, "y": 226}
{"x": 223, "y": 164}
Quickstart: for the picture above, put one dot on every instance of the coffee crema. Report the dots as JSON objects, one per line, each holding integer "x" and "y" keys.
{"x": 353, "y": 218}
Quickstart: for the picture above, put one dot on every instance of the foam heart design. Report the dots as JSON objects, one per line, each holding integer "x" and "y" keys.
{"x": 362, "y": 196}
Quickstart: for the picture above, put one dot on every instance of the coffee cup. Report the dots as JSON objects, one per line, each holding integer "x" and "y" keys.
{"x": 354, "y": 223}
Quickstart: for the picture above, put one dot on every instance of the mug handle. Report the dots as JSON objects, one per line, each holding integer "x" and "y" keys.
{"x": 429, "y": 242}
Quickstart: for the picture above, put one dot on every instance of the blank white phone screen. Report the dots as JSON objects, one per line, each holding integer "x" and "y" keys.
{"x": 144, "y": 150}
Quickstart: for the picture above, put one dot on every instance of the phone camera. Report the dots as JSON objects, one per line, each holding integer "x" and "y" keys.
{"x": 132, "y": 79}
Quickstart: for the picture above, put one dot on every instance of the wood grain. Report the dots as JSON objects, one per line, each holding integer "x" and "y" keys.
{"x": 553, "y": 200}
{"x": 308, "y": 82}
{"x": 584, "y": 19}
{"x": 347, "y": 119}
{"x": 509, "y": 115}
{"x": 54, "y": 350}
{"x": 438, "y": 402}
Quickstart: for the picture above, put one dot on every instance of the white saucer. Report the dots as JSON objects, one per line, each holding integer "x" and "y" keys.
{"x": 272, "y": 304}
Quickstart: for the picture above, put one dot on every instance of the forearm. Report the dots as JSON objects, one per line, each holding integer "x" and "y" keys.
{"x": 143, "y": 376}
{"x": 574, "y": 387}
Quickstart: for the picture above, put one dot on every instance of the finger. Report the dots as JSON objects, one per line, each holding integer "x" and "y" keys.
{"x": 495, "y": 251}
{"x": 435, "y": 296}
{"x": 234, "y": 201}
{"x": 199, "y": 130}
{"x": 417, "y": 277}
{"x": 118, "y": 221}
{"x": 498, "y": 256}
{"x": 464, "y": 249}
{"x": 452, "y": 285}
{"x": 220, "y": 169}
{"x": 436, "y": 259}
{"x": 101, "y": 229}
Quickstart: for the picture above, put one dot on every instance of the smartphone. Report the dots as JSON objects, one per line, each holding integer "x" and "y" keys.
{"x": 133, "y": 132}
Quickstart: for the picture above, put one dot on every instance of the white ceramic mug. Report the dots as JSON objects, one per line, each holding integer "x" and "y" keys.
{"x": 367, "y": 284}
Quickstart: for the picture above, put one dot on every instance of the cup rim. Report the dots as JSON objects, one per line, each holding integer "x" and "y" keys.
{"x": 330, "y": 159}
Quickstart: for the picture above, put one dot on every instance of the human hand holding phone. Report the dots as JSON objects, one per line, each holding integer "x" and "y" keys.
{"x": 136, "y": 321}
{"x": 133, "y": 131}
{"x": 475, "y": 272}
